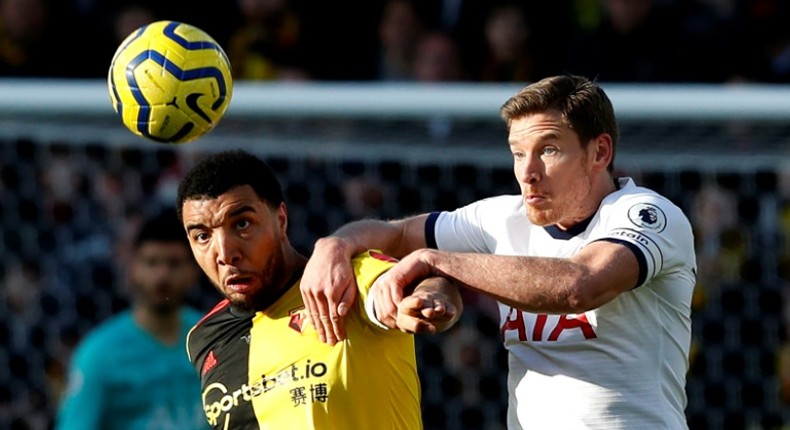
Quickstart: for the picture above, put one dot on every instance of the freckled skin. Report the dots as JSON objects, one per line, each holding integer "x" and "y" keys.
{"x": 552, "y": 169}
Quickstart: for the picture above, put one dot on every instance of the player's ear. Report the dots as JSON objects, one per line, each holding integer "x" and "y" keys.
{"x": 602, "y": 150}
{"x": 282, "y": 218}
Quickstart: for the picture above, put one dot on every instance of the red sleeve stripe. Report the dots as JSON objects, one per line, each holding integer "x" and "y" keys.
{"x": 220, "y": 306}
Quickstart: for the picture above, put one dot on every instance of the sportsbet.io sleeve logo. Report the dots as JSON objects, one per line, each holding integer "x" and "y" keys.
{"x": 648, "y": 216}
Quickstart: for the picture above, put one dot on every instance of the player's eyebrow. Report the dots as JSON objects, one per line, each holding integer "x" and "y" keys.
{"x": 235, "y": 212}
{"x": 541, "y": 136}
{"x": 195, "y": 226}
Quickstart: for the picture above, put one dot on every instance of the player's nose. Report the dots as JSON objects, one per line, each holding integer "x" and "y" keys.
{"x": 227, "y": 248}
{"x": 530, "y": 171}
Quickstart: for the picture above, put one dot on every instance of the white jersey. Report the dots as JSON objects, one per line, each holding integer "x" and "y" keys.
{"x": 620, "y": 366}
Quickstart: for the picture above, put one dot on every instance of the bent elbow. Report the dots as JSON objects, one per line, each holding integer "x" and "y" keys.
{"x": 579, "y": 298}
{"x": 576, "y": 304}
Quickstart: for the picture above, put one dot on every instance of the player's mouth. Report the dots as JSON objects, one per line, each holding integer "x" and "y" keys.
{"x": 535, "y": 199}
{"x": 239, "y": 284}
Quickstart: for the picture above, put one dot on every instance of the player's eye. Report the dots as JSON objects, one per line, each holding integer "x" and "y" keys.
{"x": 200, "y": 237}
{"x": 549, "y": 150}
{"x": 518, "y": 155}
{"x": 242, "y": 224}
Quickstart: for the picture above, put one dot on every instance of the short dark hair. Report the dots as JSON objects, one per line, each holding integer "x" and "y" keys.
{"x": 583, "y": 104}
{"x": 162, "y": 227}
{"x": 222, "y": 171}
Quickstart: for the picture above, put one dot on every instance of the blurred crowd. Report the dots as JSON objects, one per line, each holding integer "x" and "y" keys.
{"x": 706, "y": 41}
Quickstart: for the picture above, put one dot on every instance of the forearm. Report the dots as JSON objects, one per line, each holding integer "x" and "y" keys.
{"x": 394, "y": 238}
{"x": 544, "y": 285}
{"x": 328, "y": 287}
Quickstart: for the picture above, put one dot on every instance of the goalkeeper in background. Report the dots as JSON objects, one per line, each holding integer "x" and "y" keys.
{"x": 130, "y": 372}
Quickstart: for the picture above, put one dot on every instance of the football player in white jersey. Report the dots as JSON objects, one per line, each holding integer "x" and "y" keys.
{"x": 593, "y": 274}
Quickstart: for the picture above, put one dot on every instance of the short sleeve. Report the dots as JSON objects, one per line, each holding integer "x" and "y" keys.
{"x": 656, "y": 230}
{"x": 368, "y": 266}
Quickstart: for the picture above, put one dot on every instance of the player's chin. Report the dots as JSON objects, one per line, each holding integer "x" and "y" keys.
{"x": 540, "y": 217}
{"x": 241, "y": 301}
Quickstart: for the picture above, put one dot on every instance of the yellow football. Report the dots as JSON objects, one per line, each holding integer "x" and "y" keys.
{"x": 170, "y": 82}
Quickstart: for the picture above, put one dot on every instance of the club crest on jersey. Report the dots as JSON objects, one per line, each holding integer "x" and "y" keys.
{"x": 647, "y": 215}
{"x": 297, "y": 319}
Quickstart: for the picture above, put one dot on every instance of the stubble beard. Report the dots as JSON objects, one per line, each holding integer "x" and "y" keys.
{"x": 541, "y": 217}
{"x": 566, "y": 208}
{"x": 270, "y": 276}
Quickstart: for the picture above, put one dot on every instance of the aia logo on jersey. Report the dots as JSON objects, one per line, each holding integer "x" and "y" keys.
{"x": 648, "y": 216}
{"x": 383, "y": 257}
{"x": 297, "y": 319}
{"x": 527, "y": 327}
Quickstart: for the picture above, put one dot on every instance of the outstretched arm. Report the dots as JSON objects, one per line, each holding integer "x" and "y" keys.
{"x": 590, "y": 279}
{"x": 328, "y": 287}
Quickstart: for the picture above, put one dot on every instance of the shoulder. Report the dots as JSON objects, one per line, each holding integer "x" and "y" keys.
{"x": 219, "y": 311}
{"x": 214, "y": 323}
{"x": 369, "y": 265}
{"x": 510, "y": 202}
{"x": 497, "y": 207}
{"x": 102, "y": 340}
{"x": 110, "y": 330}
{"x": 211, "y": 326}
{"x": 651, "y": 222}
{"x": 643, "y": 208}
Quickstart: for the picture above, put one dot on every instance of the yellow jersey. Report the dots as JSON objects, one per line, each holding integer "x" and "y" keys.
{"x": 268, "y": 369}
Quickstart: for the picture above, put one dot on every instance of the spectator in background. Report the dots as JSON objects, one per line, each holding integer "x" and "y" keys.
{"x": 714, "y": 215}
{"x": 268, "y": 45}
{"x": 129, "y": 18}
{"x": 364, "y": 196}
{"x": 455, "y": 17}
{"x": 507, "y": 56}
{"x": 438, "y": 59}
{"x": 635, "y": 41}
{"x": 763, "y": 46}
{"x": 131, "y": 372}
{"x": 25, "y": 42}
{"x": 21, "y": 330}
{"x": 399, "y": 33}
{"x": 710, "y": 31}
{"x": 462, "y": 20}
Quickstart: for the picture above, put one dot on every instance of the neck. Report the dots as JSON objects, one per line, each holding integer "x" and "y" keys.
{"x": 601, "y": 188}
{"x": 164, "y": 326}
{"x": 292, "y": 266}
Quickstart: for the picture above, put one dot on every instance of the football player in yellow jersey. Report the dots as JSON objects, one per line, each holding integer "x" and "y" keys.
{"x": 261, "y": 364}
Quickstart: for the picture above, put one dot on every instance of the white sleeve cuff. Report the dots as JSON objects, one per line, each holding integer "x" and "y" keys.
{"x": 371, "y": 311}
